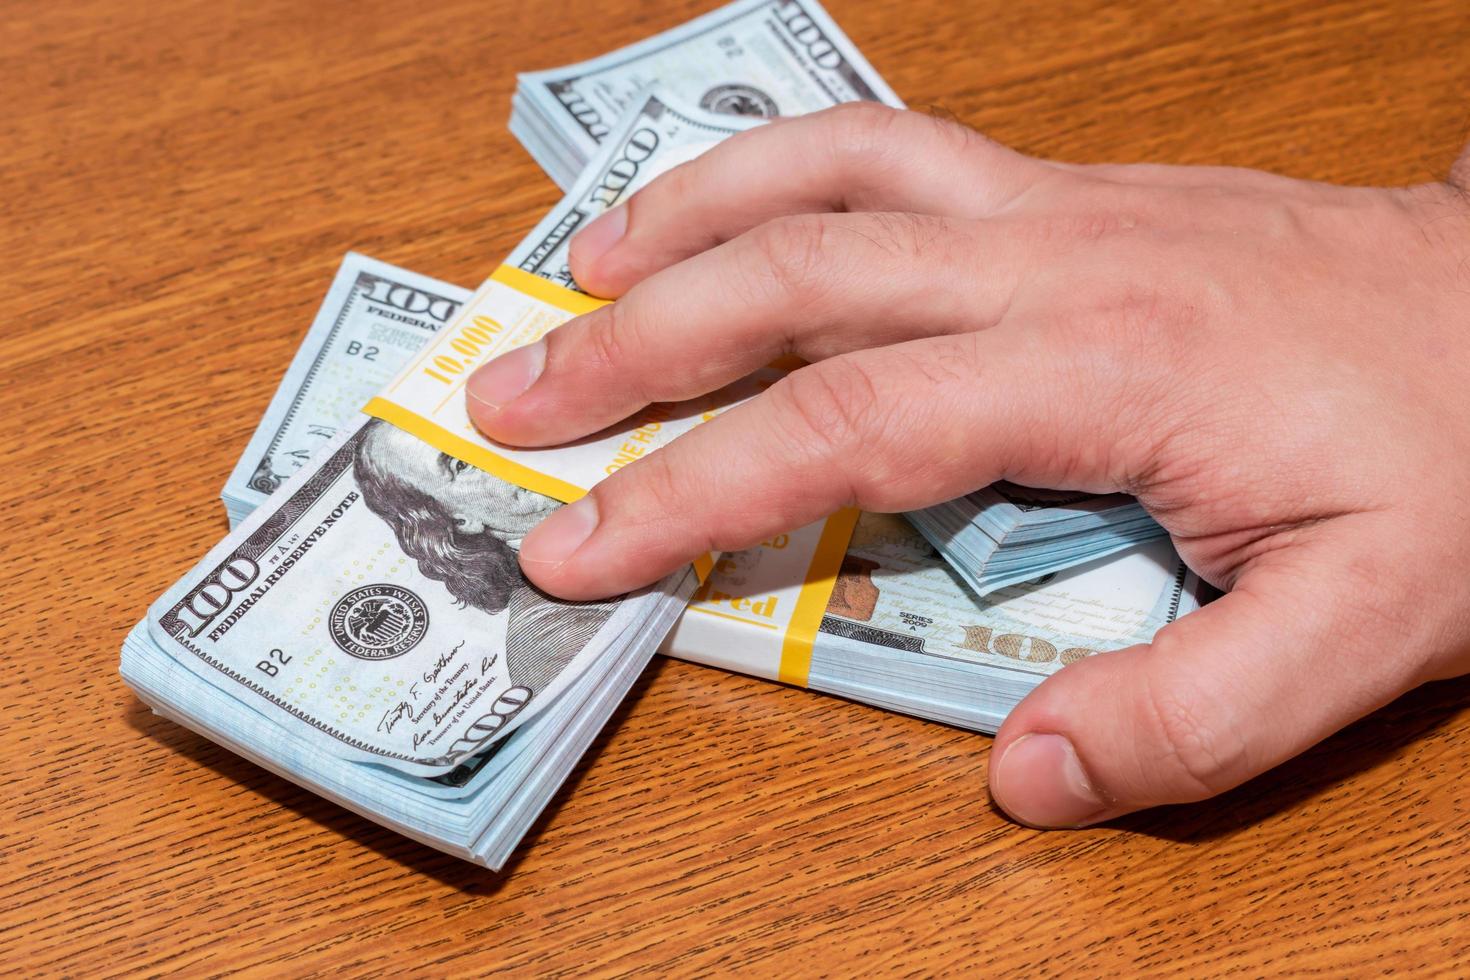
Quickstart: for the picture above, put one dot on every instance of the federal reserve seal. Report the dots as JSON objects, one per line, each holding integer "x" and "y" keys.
{"x": 378, "y": 622}
{"x": 739, "y": 100}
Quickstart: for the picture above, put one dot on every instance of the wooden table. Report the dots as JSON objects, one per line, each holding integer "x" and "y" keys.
{"x": 178, "y": 181}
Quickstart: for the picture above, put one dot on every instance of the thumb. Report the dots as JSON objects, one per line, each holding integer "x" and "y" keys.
{"x": 1219, "y": 696}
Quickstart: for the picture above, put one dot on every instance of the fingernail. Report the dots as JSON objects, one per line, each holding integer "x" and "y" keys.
{"x": 1040, "y": 782}
{"x": 506, "y": 378}
{"x": 558, "y": 537}
{"x": 594, "y": 241}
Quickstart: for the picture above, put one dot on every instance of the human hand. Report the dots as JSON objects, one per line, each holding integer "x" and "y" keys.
{"x": 1278, "y": 369}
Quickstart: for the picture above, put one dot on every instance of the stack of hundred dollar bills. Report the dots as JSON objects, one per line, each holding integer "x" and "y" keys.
{"x": 1006, "y": 534}
{"x": 347, "y": 638}
{"x": 760, "y": 58}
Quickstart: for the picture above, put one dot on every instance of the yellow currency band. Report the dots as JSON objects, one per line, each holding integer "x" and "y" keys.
{"x": 489, "y": 461}
{"x": 461, "y": 448}
{"x": 821, "y": 576}
{"x": 493, "y": 463}
{"x": 816, "y": 592}
{"x": 547, "y": 291}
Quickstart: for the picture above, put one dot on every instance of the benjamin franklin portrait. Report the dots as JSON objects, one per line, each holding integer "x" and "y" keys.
{"x": 464, "y": 528}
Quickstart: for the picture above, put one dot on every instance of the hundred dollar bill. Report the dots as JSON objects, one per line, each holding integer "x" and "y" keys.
{"x": 754, "y": 57}
{"x": 896, "y": 592}
{"x": 902, "y": 631}
{"x": 375, "y": 607}
{"x": 1005, "y": 534}
{"x": 656, "y": 134}
{"x": 374, "y": 317}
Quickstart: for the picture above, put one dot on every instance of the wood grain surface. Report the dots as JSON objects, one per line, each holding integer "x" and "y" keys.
{"x": 178, "y": 182}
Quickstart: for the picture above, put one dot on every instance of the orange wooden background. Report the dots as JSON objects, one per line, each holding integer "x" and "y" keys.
{"x": 178, "y": 181}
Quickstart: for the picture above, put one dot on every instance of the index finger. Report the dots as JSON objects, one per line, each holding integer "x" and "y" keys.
{"x": 811, "y": 285}
{"x": 858, "y": 156}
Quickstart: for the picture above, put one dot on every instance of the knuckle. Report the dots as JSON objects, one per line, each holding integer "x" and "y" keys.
{"x": 653, "y": 488}
{"x": 950, "y": 131}
{"x": 835, "y": 410}
{"x": 788, "y": 256}
{"x": 865, "y": 138}
{"x": 860, "y": 128}
{"x": 951, "y": 362}
{"x": 905, "y": 235}
{"x": 612, "y": 337}
{"x": 611, "y": 352}
{"x": 1199, "y": 753}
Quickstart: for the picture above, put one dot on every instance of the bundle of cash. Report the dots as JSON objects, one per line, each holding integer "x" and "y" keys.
{"x": 346, "y": 637}
{"x": 365, "y": 631}
{"x": 1007, "y": 534}
{"x": 903, "y": 631}
{"x": 759, "y": 58}
{"x": 897, "y": 628}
